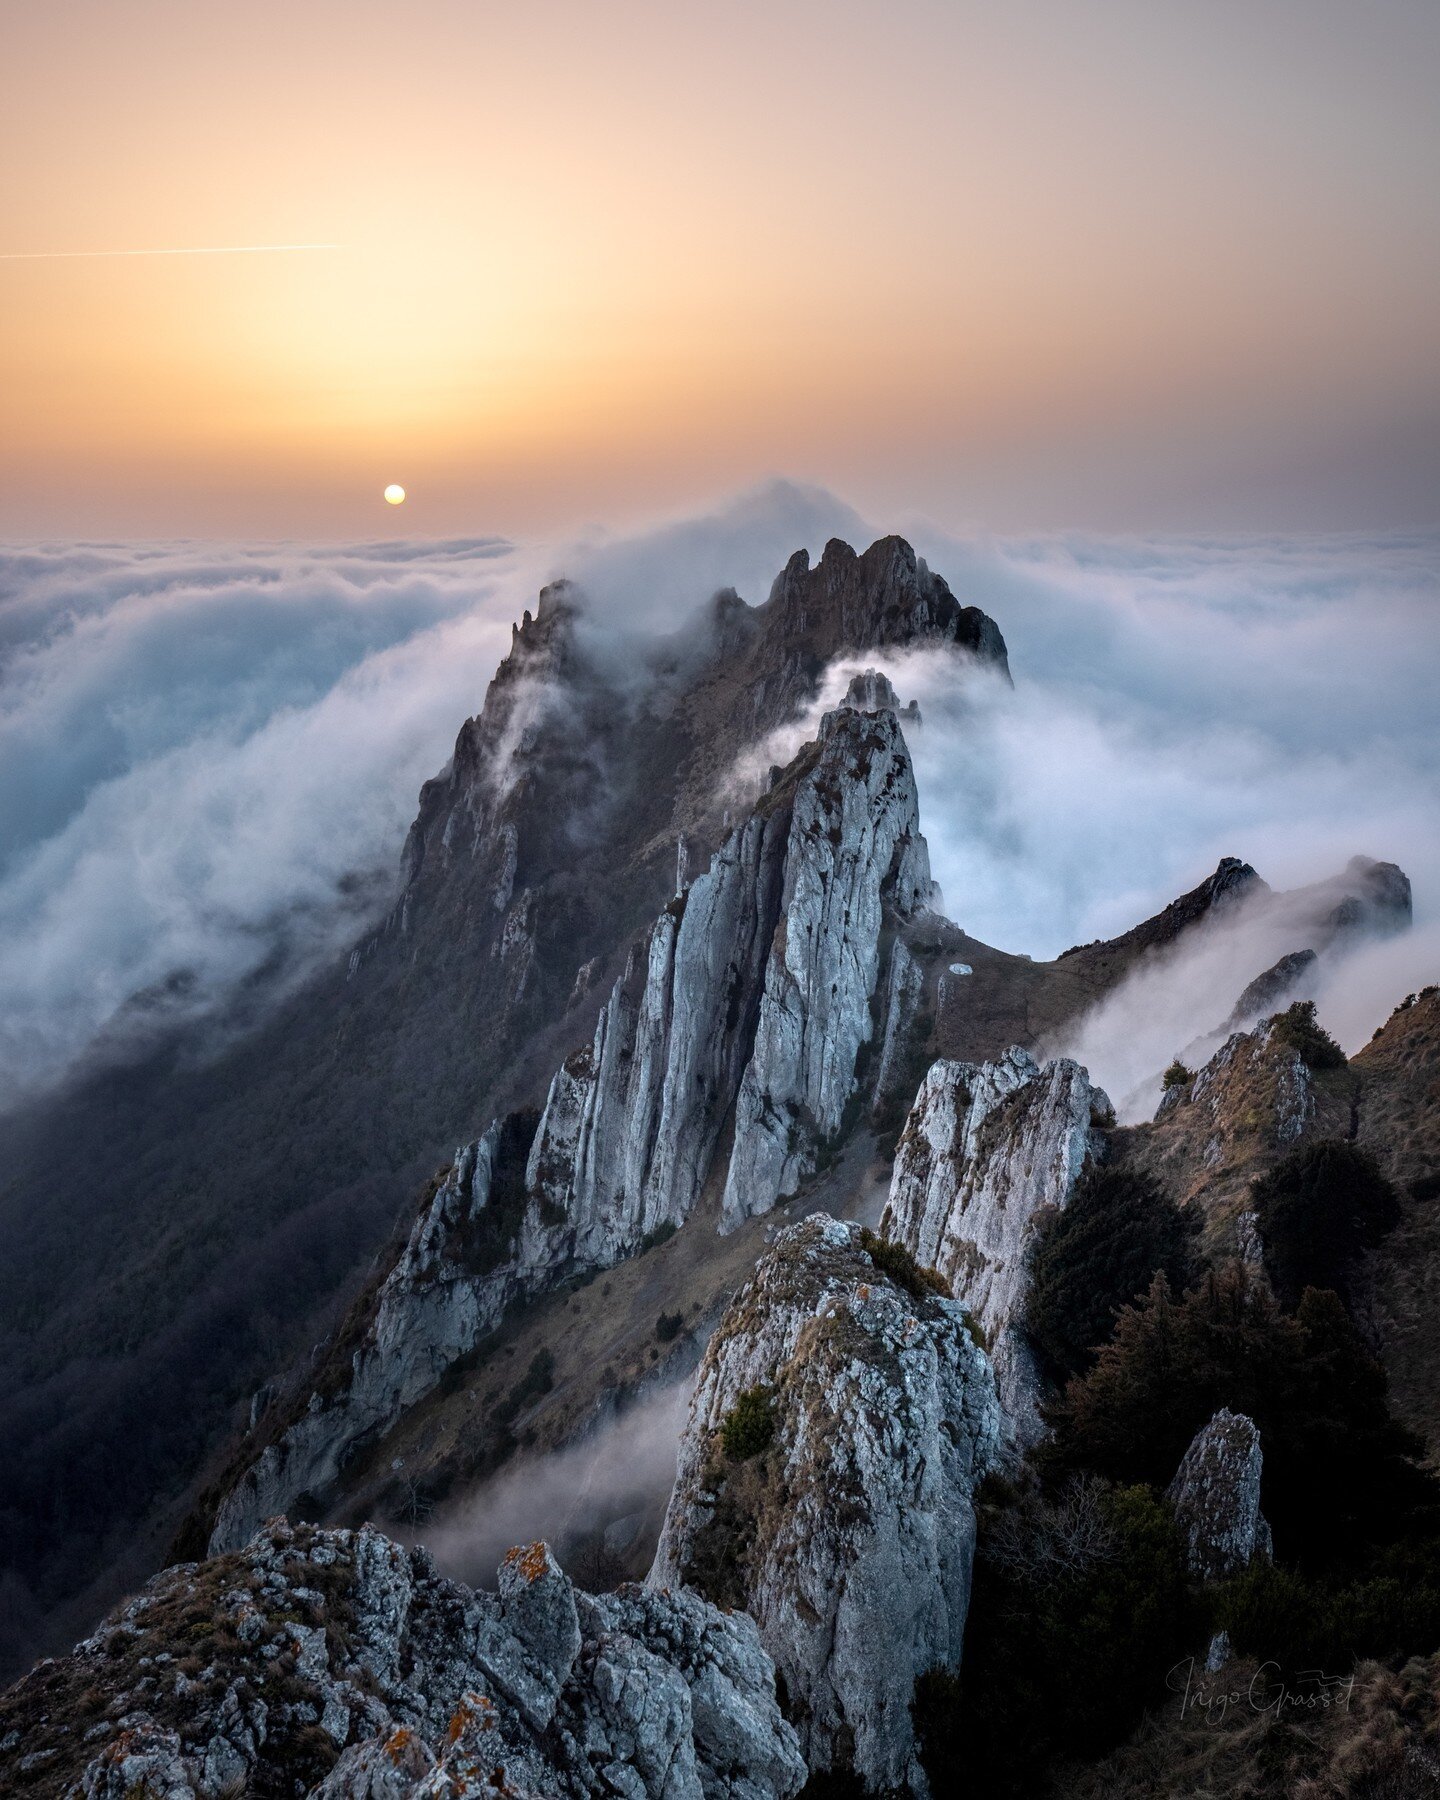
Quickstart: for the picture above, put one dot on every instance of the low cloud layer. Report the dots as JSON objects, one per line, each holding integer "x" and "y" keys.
{"x": 1176, "y": 702}
{"x": 202, "y": 759}
{"x": 210, "y": 755}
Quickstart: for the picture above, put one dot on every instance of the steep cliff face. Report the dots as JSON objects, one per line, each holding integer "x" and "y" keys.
{"x": 986, "y": 1149}
{"x": 756, "y": 982}
{"x": 755, "y": 993}
{"x": 553, "y": 716}
{"x": 885, "y": 596}
{"x": 839, "y": 1427}
{"x": 854, "y": 845}
{"x": 340, "y": 1664}
{"x": 904, "y": 990}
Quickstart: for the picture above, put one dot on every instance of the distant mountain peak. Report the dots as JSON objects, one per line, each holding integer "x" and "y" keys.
{"x": 885, "y": 595}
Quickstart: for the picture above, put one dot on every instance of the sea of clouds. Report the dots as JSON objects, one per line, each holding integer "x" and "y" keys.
{"x": 209, "y": 755}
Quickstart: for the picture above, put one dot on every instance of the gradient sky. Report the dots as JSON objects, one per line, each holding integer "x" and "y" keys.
{"x": 1125, "y": 263}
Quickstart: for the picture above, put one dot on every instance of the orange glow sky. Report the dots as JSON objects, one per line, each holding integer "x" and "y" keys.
{"x": 1119, "y": 263}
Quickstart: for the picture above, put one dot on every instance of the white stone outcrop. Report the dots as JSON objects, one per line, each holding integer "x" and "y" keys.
{"x": 904, "y": 989}
{"x": 988, "y": 1147}
{"x": 850, "y": 1538}
{"x": 753, "y": 994}
{"x": 1216, "y": 1496}
{"x": 630, "y": 1124}
{"x": 429, "y": 1691}
{"x": 854, "y": 844}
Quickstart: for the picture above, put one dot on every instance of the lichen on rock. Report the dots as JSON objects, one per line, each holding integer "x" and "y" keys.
{"x": 342, "y": 1665}
{"x": 850, "y": 1536}
{"x": 1216, "y": 1496}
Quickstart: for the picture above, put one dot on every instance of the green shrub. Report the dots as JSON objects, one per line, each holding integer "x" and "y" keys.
{"x": 1340, "y": 1475}
{"x": 1391, "y": 1610}
{"x": 895, "y": 1260}
{"x": 749, "y": 1426}
{"x": 667, "y": 1326}
{"x": 1098, "y": 1254}
{"x": 1317, "y": 1211}
{"x": 662, "y": 1234}
{"x": 1079, "y": 1607}
{"x": 1298, "y": 1027}
{"x": 1177, "y": 1075}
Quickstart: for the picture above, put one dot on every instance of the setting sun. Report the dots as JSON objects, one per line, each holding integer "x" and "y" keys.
{"x": 395, "y": 494}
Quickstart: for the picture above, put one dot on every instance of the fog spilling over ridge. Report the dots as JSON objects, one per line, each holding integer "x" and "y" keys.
{"x": 210, "y": 756}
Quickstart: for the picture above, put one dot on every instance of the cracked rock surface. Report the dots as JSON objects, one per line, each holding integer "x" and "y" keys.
{"x": 751, "y": 994}
{"x": 849, "y": 1532}
{"x": 340, "y": 1665}
{"x": 986, "y": 1150}
{"x": 1216, "y": 1496}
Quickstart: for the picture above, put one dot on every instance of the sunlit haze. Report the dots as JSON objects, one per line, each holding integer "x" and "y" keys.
{"x": 1116, "y": 265}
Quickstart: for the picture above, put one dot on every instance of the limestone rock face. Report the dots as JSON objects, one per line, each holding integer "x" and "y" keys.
{"x": 752, "y": 992}
{"x": 630, "y": 1123}
{"x": 904, "y": 988}
{"x": 540, "y": 852}
{"x": 1216, "y": 1496}
{"x": 427, "y": 1690}
{"x": 144, "y": 1759}
{"x": 849, "y": 1537}
{"x": 988, "y": 1147}
{"x": 853, "y": 845}
{"x": 443, "y": 1294}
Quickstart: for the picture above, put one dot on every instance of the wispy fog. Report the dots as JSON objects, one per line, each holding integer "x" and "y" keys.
{"x": 209, "y": 756}
{"x": 618, "y": 1478}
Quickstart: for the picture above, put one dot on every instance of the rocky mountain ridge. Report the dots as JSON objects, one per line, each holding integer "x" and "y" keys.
{"x": 271, "y": 1166}
{"x": 754, "y": 1002}
{"x": 667, "y": 1057}
{"x": 839, "y": 1370}
{"x": 340, "y": 1665}
{"x": 986, "y": 1151}
{"x": 730, "y": 1050}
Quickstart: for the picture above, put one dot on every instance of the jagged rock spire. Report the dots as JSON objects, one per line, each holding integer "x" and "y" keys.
{"x": 1216, "y": 1496}
{"x": 886, "y": 595}
{"x": 849, "y": 1533}
{"x": 986, "y": 1150}
{"x": 750, "y": 994}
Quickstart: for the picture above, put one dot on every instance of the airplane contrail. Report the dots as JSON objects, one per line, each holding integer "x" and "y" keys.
{"x": 199, "y": 250}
